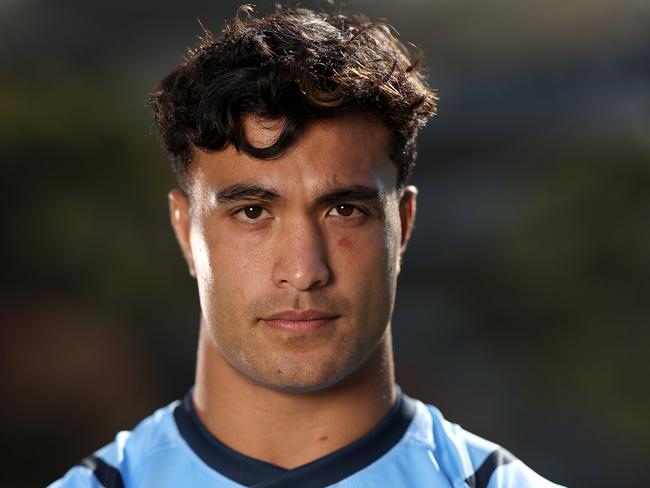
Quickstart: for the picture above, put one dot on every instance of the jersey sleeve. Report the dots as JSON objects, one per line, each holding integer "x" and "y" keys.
{"x": 104, "y": 469}
{"x": 470, "y": 460}
{"x": 517, "y": 474}
{"x": 77, "y": 477}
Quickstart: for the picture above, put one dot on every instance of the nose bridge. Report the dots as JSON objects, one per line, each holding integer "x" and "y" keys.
{"x": 301, "y": 255}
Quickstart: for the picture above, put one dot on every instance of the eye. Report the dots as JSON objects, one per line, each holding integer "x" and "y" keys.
{"x": 250, "y": 213}
{"x": 345, "y": 210}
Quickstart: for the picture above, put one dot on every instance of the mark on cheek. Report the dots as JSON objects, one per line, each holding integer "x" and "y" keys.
{"x": 345, "y": 243}
{"x": 323, "y": 438}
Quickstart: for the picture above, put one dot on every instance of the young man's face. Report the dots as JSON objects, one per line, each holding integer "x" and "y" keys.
{"x": 297, "y": 258}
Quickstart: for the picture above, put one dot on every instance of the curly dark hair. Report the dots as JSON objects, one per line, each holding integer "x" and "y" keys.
{"x": 297, "y": 65}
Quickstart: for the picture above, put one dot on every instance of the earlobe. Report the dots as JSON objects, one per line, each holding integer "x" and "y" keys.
{"x": 179, "y": 215}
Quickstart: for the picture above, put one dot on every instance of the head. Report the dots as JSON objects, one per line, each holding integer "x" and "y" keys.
{"x": 292, "y": 138}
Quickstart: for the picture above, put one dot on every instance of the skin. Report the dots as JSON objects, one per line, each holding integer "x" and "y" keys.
{"x": 326, "y": 235}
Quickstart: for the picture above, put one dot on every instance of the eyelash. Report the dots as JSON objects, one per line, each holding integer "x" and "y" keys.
{"x": 356, "y": 209}
{"x": 241, "y": 212}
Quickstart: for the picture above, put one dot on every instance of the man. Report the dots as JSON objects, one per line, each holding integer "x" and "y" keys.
{"x": 292, "y": 138}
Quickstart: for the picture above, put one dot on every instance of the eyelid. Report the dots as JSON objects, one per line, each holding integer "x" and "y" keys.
{"x": 238, "y": 213}
{"x": 356, "y": 208}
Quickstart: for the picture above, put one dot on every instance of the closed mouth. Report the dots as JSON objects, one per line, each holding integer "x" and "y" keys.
{"x": 300, "y": 320}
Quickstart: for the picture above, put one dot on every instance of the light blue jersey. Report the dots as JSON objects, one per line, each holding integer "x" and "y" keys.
{"x": 414, "y": 446}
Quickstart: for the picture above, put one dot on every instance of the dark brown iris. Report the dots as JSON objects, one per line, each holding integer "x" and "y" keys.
{"x": 253, "y": 212}
{"x": 345, "y": 210}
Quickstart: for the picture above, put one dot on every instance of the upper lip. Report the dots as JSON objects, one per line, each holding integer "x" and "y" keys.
{"x": 301, "y": 315}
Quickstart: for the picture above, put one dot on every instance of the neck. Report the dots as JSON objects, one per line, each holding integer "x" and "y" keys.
{"x": 290, "y": 429}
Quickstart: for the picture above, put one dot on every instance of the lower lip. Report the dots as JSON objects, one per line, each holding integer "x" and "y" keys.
{"x": 299, "y": 325}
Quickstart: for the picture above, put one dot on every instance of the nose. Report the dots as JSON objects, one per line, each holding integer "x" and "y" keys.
{"x": 301, "y": 258}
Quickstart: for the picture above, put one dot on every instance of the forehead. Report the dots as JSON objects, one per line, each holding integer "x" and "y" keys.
{"x": 351, "y": 149}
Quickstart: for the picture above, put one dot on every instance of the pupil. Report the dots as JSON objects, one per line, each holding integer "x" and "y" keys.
{"x": 252, "y": 212}
{"x": 345, "y": 210}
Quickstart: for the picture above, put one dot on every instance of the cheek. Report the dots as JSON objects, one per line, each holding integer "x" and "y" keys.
{"x": 361, "y": 255}
{"x": 229, "y": 271}
{"x": 237, "y": 263}
{"x": 201, "y": 255}
{"x": 344, "y": 243}
{"x": 393, "y": 234}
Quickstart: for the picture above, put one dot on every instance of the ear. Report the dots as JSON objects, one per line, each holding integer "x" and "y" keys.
{"x": 407, "y": 214}
{"x": 179, "y": 215}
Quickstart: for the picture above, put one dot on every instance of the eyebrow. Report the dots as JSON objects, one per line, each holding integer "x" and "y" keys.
{"x": 354, "y": 193}
{"x": 243, "y": 192}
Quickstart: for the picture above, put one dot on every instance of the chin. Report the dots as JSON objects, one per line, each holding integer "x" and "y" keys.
{"x": 304, "y": 375}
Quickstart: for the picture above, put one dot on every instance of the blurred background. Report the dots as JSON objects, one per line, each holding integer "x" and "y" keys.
{"x": 523, "y": 305}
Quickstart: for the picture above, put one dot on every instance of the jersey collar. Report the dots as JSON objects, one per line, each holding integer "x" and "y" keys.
{"x": 324, "y": 471}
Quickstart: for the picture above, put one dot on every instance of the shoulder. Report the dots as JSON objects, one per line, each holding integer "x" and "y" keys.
{"x": 470, "y": 460}
{"x": 119, "y": 462}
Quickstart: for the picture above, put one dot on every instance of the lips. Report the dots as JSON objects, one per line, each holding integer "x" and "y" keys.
{"x": 300, "y": 320}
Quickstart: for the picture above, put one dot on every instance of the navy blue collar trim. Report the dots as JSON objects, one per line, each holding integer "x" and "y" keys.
{"x": 324, "y": 471}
